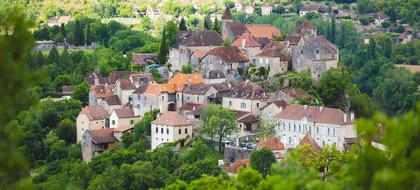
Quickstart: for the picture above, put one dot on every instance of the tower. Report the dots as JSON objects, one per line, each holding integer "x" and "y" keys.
{"x": 226, "y": 18}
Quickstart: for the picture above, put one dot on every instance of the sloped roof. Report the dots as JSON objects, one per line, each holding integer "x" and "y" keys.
{"x": 100, "y": 136}
{"x": 199, "y": 89}
{"x": 314, "y": 114}
{"x": 319, "y": 8}
{"x": 247, "y": 90}
{"x": 229, "y": 54}
{"x": 216, "y": 74}
{"x": 115, "y": 75}
{"x": 263, "y": 30}
{"x": 321, "y": 40}
{"x": 276, "y": 44}
{"x": 272, "y": 143}
{"x": 309, "y": 141}
{"x": 278, "y": 103}
{"x": 143, "y": 58}
{"x": 293, "y": 39}
{"x": 236, "y": 28}
{"x": 141, "y": 89}
{"x": 295, "y": 93}
{"x": 126, "y": 85}
{"x": 183, "y": 79}
{"x": 200, "y": 53}
{"x": 112, "y": 100}
{"x": 227, "y": 14}
{"x": 123, "y": 128}
{"x": 189, "y": 106}
{"x": 102, "y": 91}
{"x": 95, "y": 112}
{"x": 172, "y": 119}
{"x": 203, "y": 38}
{"x": 124, "y": 113}
{"x": 249, "y": 41}
{"x": 248, "y": 118}
{"x": 274, "y": 52}
{"x": 141, "y": 78}
{"x": 306, "y": 25}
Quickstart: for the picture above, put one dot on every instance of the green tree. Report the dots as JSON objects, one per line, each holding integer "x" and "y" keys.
{"x": 53, "y": 56}
{"x": 81, "y": 93}
{"x": 187, "y": 68}
{"x": 63, "y": 30}
{"x": 217, "y": 26}
{"x": 333, "y": 87}
{"x": 66, "y": 131}
{"x": 60, "y": 81}
{"x": 110, "y": 179}
{"x": 163, "y": 51}
{"x": 262, "y": 159}
{"x": 333, "y": 29}
{"x": 207, "y": 23}
{"x": 79, "y": 39}
{"x": 193, "y": 171}
{"x": 182, "y": 25}
{"x": 88, "y": 35}
{"x": 218, "y": 122}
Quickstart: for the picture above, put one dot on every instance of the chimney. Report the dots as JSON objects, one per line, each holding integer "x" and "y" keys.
{"x": 345, "y": 118}
{"x": 305, "y": 106}
{"x": 321, "y": 108}
{"x": 243, "y": 43}
{"x": 351, "y": 116}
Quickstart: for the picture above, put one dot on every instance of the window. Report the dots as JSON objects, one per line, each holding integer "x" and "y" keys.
{"x": 328, "y": 131}
{"x": 243, "y": 105}
{"x": 138, "y": 97}
{"x": 261, "y": 60}
{"x": 294, "y": 127}
{"x": 96, "y": 122}
{"x": 145, "y": 97}
{"x": 179, "y": 131}
{"x": 289, "y": 126}
{"x": 310, "y": 129}
{"x": 290, "y": 139}
{"x": 177, "y": 96}
{"x": 301, "y": 51}
{"x": 266, "y": 60}
{"x": 113, "y": 122}
{"x": 167, "y": 131}
{"x": 188, "y": 98}
{"x": 230, "y": 103}
{"x": 299, "y": 129}
{"x": 258, "y": 104}
{"x": 186, "y": 130}
{"x": 131, "y": 121}
{"x": 157, "y": 130}
{"x": 161, "y": 130}
{"x": 163, "y": 98}
{"x": 317, "y": 130}
{"x": 198, "y": 98}
{"x": 334, "y": 132}
{"x": 317, "y": 51}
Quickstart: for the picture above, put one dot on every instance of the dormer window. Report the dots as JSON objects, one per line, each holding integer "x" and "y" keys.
{"x": 317, "y": 51}
{"x": 301, "y": 51}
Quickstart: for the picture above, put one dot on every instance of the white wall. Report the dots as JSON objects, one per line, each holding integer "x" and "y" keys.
{"x": 163, "y": 134}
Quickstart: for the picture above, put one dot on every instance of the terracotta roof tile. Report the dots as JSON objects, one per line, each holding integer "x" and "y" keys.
{"x": 126, "y": 85}
{"x": 124, "y": 113}
{"x": 200, "y": 53}
{"x": 263, "y": 30}
{"x": 172, "y": 119}
{"x": 315, "y": 114}
{"x": 279, "y": 103}
{"x": 272, "y": 143}
{"x": 123, "y": 128}
{"x": 274, "y": 52}
{"x": 112, "y": 100}
{"x": 236, "y": 28}
{"x": 229, "y": 54}
{"x": 248, "y": 90}
{"x": 189, "y": 106}
{"x": 249, "y": 41}
{"x": 227, "y": 14}
{"x": 183, "y": 79}
{"x": 309, "y": 141}
{"x": 104, "y": 135}
{"x": 139, "y": 59}
{"x": 95, "y": 112}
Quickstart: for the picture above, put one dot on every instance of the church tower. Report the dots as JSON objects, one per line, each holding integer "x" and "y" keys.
{"x": 226, "y": 18}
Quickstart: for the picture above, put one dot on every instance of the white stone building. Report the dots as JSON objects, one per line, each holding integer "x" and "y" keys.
{"x": 91, "y": 117}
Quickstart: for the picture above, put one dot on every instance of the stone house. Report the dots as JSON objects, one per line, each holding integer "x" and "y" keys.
{"x": 199, "y": 93}
{"x": 327, "y": 126}
{"x": 247, "y": 97}
{"x": 294, "y": 40}
{"x": 379, "y": 18}
{"x": 247, "y": 44}
{"x": 170, "y": 127}
{"x": 312, "y": 9}
{"x": 275, "y": 145}
{"x": 110, "y": 103}
{"x": 247, "y": 123}
{"x": 230, "y": 60}
{"x": 406, "y": 36}
{"x": 317, "y": 55}
{"x": 124, "y": 89}
{"x": 275, "y": 59}
{"x": 214, "y": 77}
{"x": 122, "y": 117}
{"x": 95, "y": 141}
{"x": 99, "y": 92}
{"x": 96, "y": 78}
{"x": 152, "y": 96}
{"x": 143, "y": 59}
{"x": 306, "y": 30}
{"x": 291, "y": 95}
{"x": 273, "y": 108}
{"x": 189, "y": 42}
{"x": 91, "y": 117}
{"x": 141, "y": 78}
{"x": 117, "y": 75}
{"x": 121, "y": 130}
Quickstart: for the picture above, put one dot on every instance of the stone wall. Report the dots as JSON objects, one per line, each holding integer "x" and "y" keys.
{"x": 233, "y": 153}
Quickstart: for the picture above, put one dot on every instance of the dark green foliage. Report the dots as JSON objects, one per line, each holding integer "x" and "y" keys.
{"x": 163, "y": 51}
{"x": 53, "y": 56}
{"x": 207, "y": 23}
{"x": 217, "y": 26}
{"x": 66, "y": 131}
{"x": 189, "y": 172}
{"x": 79, "y": 37}
{"x": 81, "y": 93}
{"x": 182, "y": 25}
{"x": 63, "y": 30}
{"x": 88, "y": 35}
{"x": 261, "y": 160}
{"x": 187, "y": 68}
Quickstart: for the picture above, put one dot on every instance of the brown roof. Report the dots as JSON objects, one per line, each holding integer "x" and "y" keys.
{"x": 141, "y": 78}
{"x": 272, "y": 143}
{"x": 102, "y": 91}
{"x": 314, "y": 114}
{"x": 216, "y": 74}
{"x": 171, "y": 118}
{"x": 123, "y": 128}
{"x": 139, "y": 59}
{"x": 189, "y": 106}
{"x": 199, "y": 89}
{"x": 274, "y": 52}
{"x": 276, "y": 44}
{"x": 248, "y": 118}
{"x": 249, "y": 41}
{"x": 236, "y": 28}
{"x": 227, "y": 14}
{"x": 229, "y": 54}
{"x": 306, "y": 25}
{"x": 112, "y": 100}
{"x": 95, "y": 112}
{"x": 296, "y": 93}
{"x": 248, "y": 90}
{"x": 203, "y": 38}
{"x": 183, "y": 79}
{"x": 293, "y": 39}
{"x": 115, "y": 75}
{"x": 324, "y": 42}
{"x": 126, "y": 85}
{"x": 411, "y": 68}
{"x": 90, "y": 78}
{"x": 124, "y": 113}
{"x": 263, "y": 30}
{"x": 104, "y": 135}
{"x": 241, "y": 163}
{"x": 309, "y": 141}
{"x": 279, "y": 103}
{"x": 200, "y": 53}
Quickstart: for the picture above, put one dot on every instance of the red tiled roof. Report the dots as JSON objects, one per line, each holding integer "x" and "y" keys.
{"x": 102, "y": 91}
{"x": 124, "y": 113}
{"x": 272, "y": 143}
{"x": 314, "y": 114}
{"x": 227, "y": 14}
{"x": 276, "y": 44}
{"x": 112, "y": 100}
{"x": 172, "y": 119}
{"x": 122, "y": 128}
{"x": 183, "y": 79}
{"x": 236, "y": 28}
{"x": 126, "y": 85}
{"x": 279, "y": 103}
{"x": 249, "y": 41}
{"x": 292, "y": 39}
{"x": 229, "y": 54}
{"x": 263, "y": 30}
{"x": 104, "y": 135}
{"x": 309, "y": 141}
{"x": 95, "y": 112}
{"x": 306, "y": 25}
{"x": 139, "y": 59}
{"x": 274, "y": 52}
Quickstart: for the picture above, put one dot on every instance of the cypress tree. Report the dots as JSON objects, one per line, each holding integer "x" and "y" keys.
{"x": 216, "y": 26}
{"x": 79, "y": 38}
{"x": 333, "y": 30}
{"x": 63, "y": 30}
{"x": 371, "y": 52}
{"x": 207, "y": 23}
{"x": 53, "y": 56}
{"x": 163, "y": 51}
{"x": 182, "y": 25}
{"x": 88, "y": 35}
